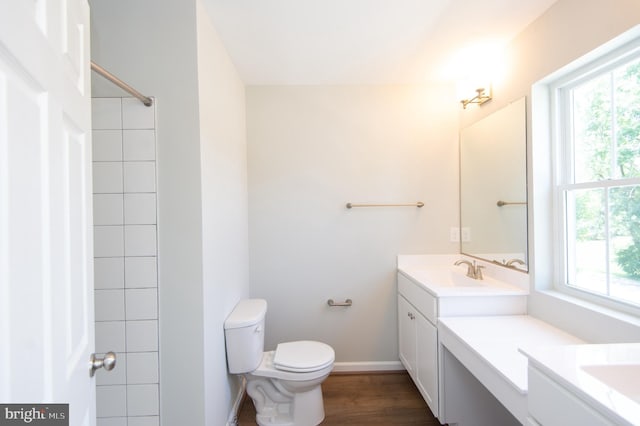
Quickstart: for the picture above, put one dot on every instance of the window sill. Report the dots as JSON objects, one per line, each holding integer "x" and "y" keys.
{"x": 592, "y": 310}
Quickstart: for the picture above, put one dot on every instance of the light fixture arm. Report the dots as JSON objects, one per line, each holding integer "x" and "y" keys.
{"x": 479, "y": 99}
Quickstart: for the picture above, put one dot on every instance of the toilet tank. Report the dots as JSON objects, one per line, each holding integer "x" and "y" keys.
{"x": 244, "y": 335}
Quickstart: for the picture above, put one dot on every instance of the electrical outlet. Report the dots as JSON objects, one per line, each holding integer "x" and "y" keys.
{"x": 466, "y": 235}
{"x": 454, "y": 234}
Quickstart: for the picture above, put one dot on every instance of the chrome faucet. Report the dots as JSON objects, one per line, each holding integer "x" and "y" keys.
{"x": 511, "y": 263}
{"x": 473, "y": 270}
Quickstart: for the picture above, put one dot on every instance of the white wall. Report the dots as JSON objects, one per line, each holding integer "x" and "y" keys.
{"x": 567, "y": 31}
{"x": 312, "y": 150}
{"x": 225, "y": 240}
{"x": 153, "y": 45}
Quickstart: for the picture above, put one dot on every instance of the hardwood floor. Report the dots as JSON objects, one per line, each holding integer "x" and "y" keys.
{"x": 365, "y": 399}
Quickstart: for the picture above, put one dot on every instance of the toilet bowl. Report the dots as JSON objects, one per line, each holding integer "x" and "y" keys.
{"x": 285, "y": 384}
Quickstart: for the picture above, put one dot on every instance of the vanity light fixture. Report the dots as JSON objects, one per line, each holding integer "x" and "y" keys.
{"x": 481, "y": 97}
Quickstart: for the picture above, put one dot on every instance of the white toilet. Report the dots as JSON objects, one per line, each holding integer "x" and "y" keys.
{"x": 284, "y": 384}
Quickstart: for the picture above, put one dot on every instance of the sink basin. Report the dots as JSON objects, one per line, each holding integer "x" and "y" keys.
{"x": 461, "y": 280}
{"x": 447, "y": 277}
{"x": 621, "y": 377}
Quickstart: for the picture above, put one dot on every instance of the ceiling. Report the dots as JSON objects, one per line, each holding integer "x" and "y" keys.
{"x": 317, "y": 42}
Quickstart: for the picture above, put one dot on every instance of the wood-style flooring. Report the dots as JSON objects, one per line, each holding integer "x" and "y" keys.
{"x": 365, "y": 399}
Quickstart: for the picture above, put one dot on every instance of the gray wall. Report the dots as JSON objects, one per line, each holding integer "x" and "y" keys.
{"x": 312, "y": 149}
{"x": 224, "y": 210}
{"x": 153, "y": 45}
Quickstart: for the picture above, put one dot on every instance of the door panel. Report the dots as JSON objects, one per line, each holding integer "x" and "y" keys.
{"x": 46, "y": 271}
{"x": 427, "y": 362}
{"x": 406, "y": 335}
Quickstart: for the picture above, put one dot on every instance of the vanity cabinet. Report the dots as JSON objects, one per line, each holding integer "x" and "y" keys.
{"x": 418, "y": 339}
{"x": 552, "y": 404}
{"x": 583, "y": 384}
{"x": 426, "y": 295}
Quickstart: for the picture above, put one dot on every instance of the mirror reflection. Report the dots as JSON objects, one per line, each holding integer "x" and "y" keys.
{"x": 493, "y": 187}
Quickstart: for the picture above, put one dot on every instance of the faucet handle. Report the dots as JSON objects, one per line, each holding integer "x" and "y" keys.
{"x": 479, "y": 269}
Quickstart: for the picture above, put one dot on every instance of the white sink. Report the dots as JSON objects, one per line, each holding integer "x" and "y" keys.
{"x": 605, "y": 376}
{"x": 447, "y": 277}
{"x": 624, "y": 378}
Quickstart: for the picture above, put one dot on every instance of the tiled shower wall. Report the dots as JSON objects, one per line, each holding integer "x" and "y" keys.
{"x": 125, "y": 251}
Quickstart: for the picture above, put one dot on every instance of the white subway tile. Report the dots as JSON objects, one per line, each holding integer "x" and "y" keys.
{"x": 144, "y": 421}
{"x": 109, "y": 305}
{"x": 140, "y": 176}
{"x": 141, "y": 272}
{"x": 142, "y": 400}
{"x": 142, "y": 367}
{"x": 140, "y": 209}
{"x": 110, "y": 336}
{"x": 117, "y": 376}
{"x": 135, "y": 115}
{"x": 142, "y": 336}
{"x": 107, "y": 145}
{"x": 108, "y": 272}
{"x": 142, "y": 304}
{"x": 140, "y": 240}
{"x": 108, "y": 209}
{"x": 139, "y": 145}
{"x": 106, "y": 113}
{"x": 111, "y": 401}
{"x": 107, "y": 178}
{"x": 111, "y": 421}
{"x": 108, "y": 241}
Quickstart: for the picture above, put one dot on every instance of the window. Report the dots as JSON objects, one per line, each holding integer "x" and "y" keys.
{"x": 597, "y": 176}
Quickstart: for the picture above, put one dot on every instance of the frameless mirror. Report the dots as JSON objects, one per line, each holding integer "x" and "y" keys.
{"x": 493, "y": 187}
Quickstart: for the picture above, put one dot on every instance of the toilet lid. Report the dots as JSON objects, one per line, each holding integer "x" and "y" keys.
{"x": 302, "y": 356}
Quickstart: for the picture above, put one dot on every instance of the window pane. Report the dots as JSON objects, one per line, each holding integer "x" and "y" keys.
{"x": 591, "y": 109}
{"x": 627, "y": 120}
{"x": 624, "y": 212}
{"x": 586, "y": 240}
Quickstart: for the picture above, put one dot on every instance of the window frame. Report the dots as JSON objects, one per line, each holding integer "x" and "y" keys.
{"x": 562, "y": 167}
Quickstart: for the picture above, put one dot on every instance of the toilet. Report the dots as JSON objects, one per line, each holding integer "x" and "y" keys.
{"x": 285, "y": 384}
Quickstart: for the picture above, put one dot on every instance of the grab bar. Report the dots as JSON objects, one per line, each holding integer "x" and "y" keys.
{"x": 418, "y": 204}
{"x": 501, "y": 203}
{"x": 347, "y": 302}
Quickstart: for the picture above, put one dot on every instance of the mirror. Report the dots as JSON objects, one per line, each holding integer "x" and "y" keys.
{"x": 493, "y": 187}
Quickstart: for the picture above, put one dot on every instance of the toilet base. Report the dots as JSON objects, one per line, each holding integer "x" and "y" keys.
{"x": 283, "y": 408}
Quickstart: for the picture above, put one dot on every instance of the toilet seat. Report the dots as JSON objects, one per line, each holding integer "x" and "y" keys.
{"x": 303, "y": 356}
{"x": 267, "y": 367}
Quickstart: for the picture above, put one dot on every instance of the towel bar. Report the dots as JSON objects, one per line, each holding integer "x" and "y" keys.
{"x": 347, "y": 302}
{"x": 418, "y": 204}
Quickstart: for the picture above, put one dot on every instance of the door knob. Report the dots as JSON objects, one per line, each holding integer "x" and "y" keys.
{"x": 108, "y": 363}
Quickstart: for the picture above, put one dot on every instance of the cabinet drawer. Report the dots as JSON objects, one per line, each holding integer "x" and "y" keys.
{"x": 552, "y": 405}
{"x": 418, "y": 297}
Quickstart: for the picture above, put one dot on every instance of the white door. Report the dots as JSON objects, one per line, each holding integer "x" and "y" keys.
{"x": 46, "y": 243}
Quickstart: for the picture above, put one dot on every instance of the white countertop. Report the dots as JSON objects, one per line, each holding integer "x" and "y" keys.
{"x": 616, "y": 393}
{"x": 436, "y": 282}
{"x": 496, "y": 340}
{"x": 434, "y": 273}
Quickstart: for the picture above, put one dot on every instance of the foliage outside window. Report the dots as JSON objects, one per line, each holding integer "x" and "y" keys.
{"x": 599, "y": 177}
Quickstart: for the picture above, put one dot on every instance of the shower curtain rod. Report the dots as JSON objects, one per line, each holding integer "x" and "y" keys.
{"x": 121, "y": 84}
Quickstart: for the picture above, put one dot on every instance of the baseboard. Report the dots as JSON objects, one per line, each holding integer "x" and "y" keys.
{"x": 237, "y": 403}
{"x": 367, "y": 367}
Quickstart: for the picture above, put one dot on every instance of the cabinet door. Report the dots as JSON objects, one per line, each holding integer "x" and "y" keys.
{"x": 407, "y": 335}
{"x": 551, "y": 404}
{"x": 427, "y": 361}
